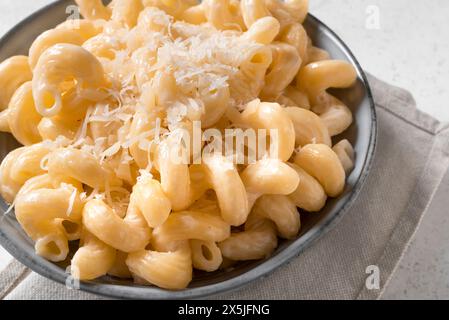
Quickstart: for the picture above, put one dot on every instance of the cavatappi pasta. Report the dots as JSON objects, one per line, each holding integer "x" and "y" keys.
{"x": 102, "y": 106}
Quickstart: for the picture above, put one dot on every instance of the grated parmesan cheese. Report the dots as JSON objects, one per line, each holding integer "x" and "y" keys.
{"x": 44, "y": 161}
{"x": 112, "y": 150}
{"x": 144, "y": 175}
{"x": 10, "y": 208}
{"x": 72, "y": 199}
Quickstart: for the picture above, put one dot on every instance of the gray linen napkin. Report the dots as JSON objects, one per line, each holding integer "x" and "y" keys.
{"x": 411, "y": 160}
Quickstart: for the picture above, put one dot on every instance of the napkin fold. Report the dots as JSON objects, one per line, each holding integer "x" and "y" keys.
{"x": 411, "y": 160}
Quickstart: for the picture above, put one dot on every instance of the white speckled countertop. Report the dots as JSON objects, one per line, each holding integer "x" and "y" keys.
{"x": 402, "y": 42}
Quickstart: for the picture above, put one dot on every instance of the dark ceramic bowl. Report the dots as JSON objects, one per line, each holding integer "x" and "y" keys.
{"x": 362, "y": 134}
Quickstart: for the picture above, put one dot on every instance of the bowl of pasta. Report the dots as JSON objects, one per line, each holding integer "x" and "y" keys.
{"x": 174, "y": 149}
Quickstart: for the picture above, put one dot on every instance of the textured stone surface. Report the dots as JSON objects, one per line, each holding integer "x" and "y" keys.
{"x": 410, "y": 49}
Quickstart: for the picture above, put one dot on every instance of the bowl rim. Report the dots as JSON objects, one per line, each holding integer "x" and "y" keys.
{"x": 260, "y": 271}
